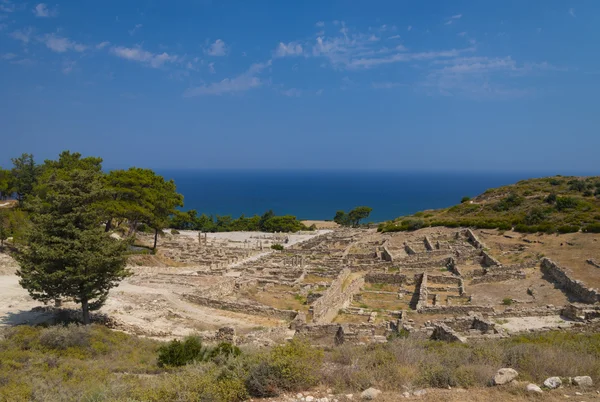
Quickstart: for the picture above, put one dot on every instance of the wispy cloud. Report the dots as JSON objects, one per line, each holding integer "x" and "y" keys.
{"x": 136, "y": 28}
{"x": 292, "y": 93}
{"x": 289, "y": 49}
{"x": 453, "y": 18}
{"x": 243, "y": 82}
{"x": 387, "y": 85}
{"x": 61, "y": 44}
{"x": 481, "y": 77}
{"x": 409, "y": 28}
{"x": 320, "y": 24}
{"x": 572, "y": 12}
{"x": 7, "y": 7}
{"x": 42, "y": 11}
{"x": 102, "y": 45}
{"x": 8, "y": 56}
{"x": 154, "y": 60}
{"x": 68, "y": 67}
{"x": 24, "y": 35}
{"x": 219, "y": 48}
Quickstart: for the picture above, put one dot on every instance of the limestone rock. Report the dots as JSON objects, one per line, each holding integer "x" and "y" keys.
{"x": 534, "y": 388}
{"x": 583, "y": 381}
{"x": 406, "y": 394}
{"x": 552, "y": 382}
{"x": 504, "y": 376}
{"x": 370, "y": 394}
{"x": 420, "y": 392}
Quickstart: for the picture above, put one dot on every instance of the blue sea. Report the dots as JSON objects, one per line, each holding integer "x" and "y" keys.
{"x": 318, "y": 195}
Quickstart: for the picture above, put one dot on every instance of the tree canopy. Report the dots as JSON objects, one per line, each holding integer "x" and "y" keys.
{"x": 67, "y": 253}
{"x": 353, "y": 217}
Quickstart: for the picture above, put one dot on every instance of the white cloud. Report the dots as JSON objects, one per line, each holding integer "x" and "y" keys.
{"x": 319, "y": 92}
{"x": 453, "y": 18}
{"x": 8, "y": 56}
{"x": 68, "y": 67}
{"x": 290, "y": 49}
{"x": 572, "y": 12}
{"x": 3, "y": 27}
{"x": 211, "y": 68}
{"x": 7, "y": 7}
{"x": 386, "y": 85}
{"x": 409, "y": 28}
{"x": 42, "y": 11}
{"x": 102, "y": 45}
{"x": 243, "y": 82}
{"x": 320, "y": 24}
{"x": 292, "y": 92}
{"x": 136, "y": 28}
{"x": 404, "y": 57}
{"x": 217, "y": 49}
{"x": 394, "y": 37}
{"x": 154, "y": 60}
{"x": 60, "y": 44}
{"x": 23, "y": 35}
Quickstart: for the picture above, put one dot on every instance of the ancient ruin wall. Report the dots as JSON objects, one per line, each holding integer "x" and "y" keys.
{"x": 265, "y": 311}
{"x": 475, "y": 240}
{"x": 428, "y": 244}
{"x": 576, "y": 288}
{"x": 422, "y": 292}
{"x": 488, "y": 260}
{"x": 338, "y": 296}
{"x": 392, "y": 279}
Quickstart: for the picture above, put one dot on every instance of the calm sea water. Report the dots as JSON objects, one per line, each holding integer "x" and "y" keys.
{"x": 318, "y": 195}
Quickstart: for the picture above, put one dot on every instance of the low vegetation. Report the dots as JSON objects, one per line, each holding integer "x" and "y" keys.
{"x": 96, "y": 364}
{"x": 268, "y": 222}
{"x": 550, "y": 205}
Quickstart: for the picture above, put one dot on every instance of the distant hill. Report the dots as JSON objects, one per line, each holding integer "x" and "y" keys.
{"x": 556, "y": 204}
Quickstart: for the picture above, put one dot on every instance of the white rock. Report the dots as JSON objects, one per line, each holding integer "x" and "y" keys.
{"x": 406, "y": 394}
{"x": 420, "y": 392}
{"x": 309, "y": 399}
{"x": 583, "y": 381}
{"x": 504, "y": 376}
{"x": 370, "y": 394}
{"x": 299, "y": 396}
{"x": 534, "y": 388}
{"x": 349, "y": 396}
{"x": 552, "y": 382}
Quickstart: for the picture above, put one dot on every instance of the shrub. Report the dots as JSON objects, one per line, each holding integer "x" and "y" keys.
{"x": 61, "y": 338}
{"x": 465, "y": 199}
{"x": 592, "y": 228}
{"x": 174, "y": 231}
{"x": 413, "y": 224}
{"x": 277, "y": 247}
{"x": 563, "y": 203}
{"x": 551, "y": 198}
{"x": 290, "y": 367}
{"x": 512, "y": 201}
{"x": 177, "y": 353}
{"x": 507, "y": 301}
{"x": 568, "y": 229}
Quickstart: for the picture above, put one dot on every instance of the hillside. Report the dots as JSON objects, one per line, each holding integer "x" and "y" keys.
{"x": 556, "y": 204}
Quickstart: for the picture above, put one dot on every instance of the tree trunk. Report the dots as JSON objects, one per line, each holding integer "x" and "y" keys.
{"x": 85, "y": 309}
{"x": 108, "y": 225}
{"x": 155, "y": 238}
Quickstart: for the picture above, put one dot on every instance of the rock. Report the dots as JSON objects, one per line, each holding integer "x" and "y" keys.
{"x": 309, "y": 399}
{"x": 504, "y": 376}
{"x": 370, "y": 394}
{"x": 583, "y": 381}
{"x": 406, "y": 394}
{"x": 534, "y": 388}
{"x": 420, "y": 392}
{"x": 349, "y": 396}
{"x": 552, "y": 382}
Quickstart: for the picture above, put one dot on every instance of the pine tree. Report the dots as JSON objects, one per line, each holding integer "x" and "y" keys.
{"x": 67, "y": 254}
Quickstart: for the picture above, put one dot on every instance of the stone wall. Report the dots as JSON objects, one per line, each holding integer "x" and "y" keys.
{"x": 575, "y": 288}
{"x": 336, "y": 297}
{"x": 421, "y": 291}
{"x": 504, "y": 276}
{"x": 378, "y": 277}
{"x": 474, "y": 240}
{"x": 245, "y": 308}
{"x": 444, "y": 280}
{"x": 488, "y": 260}
{"x": 386, "y": 255}
{"x": 428, "y": 244}
{"x": 452, "y": 266}
{"x": 464, "y": 309}
{"x": 442, "y": 332}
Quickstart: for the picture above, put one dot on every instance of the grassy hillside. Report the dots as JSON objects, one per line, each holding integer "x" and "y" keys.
{"x": 552, "y": 204}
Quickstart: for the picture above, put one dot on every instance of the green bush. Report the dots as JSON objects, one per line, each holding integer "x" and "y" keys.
{"x": 177, "y": 353}
{"x": 563, "y": 203}
{"x": 592, "y": 228}
{"x": 289, "y": 367}
{"x": 465, "y": 199}
{"x": 277, "y": 247}
{"x": 568, "y": 229}
{"x": 507, "y": 301}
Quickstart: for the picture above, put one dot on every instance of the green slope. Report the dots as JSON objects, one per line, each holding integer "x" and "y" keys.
{"x": 551, "y": 204}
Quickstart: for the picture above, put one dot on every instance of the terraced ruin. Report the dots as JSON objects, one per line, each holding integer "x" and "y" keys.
{"x": 355, "y": 285}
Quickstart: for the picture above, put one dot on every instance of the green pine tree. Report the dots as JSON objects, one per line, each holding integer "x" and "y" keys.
{"x": 67, "y": 254}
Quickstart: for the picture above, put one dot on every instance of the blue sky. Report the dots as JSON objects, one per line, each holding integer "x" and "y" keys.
{"x": 393, "y": 85}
